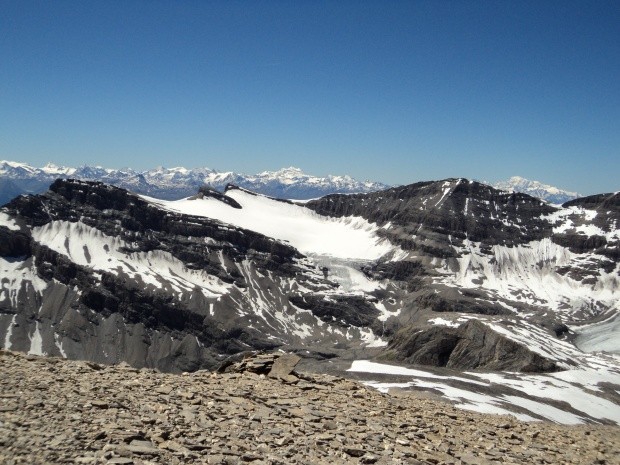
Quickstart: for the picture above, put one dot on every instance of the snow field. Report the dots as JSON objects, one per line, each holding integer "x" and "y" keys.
{"x": 308, "y": 232}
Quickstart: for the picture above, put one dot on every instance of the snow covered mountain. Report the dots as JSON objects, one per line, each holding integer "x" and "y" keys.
{"x": 536, "y": 189}
{"x": 452, "y": 275}
{"x": 175, "y": 183}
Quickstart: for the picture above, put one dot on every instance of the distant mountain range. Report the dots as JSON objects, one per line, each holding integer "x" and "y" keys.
{"x": 175, "y": 183}
{"x": 536, "y": 189}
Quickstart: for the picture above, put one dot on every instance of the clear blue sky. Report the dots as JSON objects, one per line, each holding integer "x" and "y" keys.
{"x": 386, "y": 90}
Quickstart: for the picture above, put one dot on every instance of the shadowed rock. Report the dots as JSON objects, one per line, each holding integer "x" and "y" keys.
{"x": 470, "y": 346}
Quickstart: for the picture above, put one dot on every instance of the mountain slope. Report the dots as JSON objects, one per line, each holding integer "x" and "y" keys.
{"x": 153, "y": 284}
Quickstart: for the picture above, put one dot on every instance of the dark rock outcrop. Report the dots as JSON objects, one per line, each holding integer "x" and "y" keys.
{"x": 473, "y": 345}
{"x": 435, "y": 210}
{"x": 14, "y": 243}
{"x": 460, "y": 305}
{"x": 206, "y": 191}
{"x": 341, "y": 310}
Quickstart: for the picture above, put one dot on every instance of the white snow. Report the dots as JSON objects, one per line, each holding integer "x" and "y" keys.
{"x": 90, "y": 247}
{"x": 445, "y": 190}
{"x": 562, "y": 221}
{"x": 365, "y": 366}
{"x": 56, "y": 170}
{"x": 59, "y": 345}
{"x": 9, "y": 333}
{"x": 548, "y": 411}
{"x": 36, "y": 342}
{"x": 346, "y": 273}
{"x": 15, "y": 275}
{"x": 6, "y": 220}
{"x": 536, "y": 189}
{"x": 576, "y": 387}
{"x": 443, "y": 322}
{"x": 370, "y": 339}
{"x": 310, "y": 233}
{"x": 528, "y": 273}
{"x": 7, "y": 166}
{"x": 603, "y": 336}
{"x": 535, "y": 394}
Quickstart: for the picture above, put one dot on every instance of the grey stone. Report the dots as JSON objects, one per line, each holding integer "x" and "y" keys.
{"x": 283, "y": 366}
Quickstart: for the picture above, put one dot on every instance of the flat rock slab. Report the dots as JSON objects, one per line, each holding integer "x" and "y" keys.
{"x": 283, "y": 367}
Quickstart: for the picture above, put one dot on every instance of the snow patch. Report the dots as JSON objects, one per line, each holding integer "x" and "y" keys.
{"x": 91, "y": 248}
{"x": 8, "y": 221}
{"x": 58, "y": 343}
{"x": 443, "y": 322}
{"x": 528, "y": 274}
{"x": 9, "y": 333}
{"x": 36, "y": 342}
{"x": 603, "y": 336}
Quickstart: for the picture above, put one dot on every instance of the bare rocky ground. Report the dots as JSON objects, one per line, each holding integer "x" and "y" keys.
{"x": 58, "y": 411}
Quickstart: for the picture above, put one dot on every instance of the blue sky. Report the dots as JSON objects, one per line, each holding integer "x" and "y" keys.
{"x": 387, "y": 90}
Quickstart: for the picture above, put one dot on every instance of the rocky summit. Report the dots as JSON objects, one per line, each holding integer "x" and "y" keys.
{"x": 256, "y": 410}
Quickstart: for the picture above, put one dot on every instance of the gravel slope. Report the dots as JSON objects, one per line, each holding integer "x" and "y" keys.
{"x": 58, "y": 411}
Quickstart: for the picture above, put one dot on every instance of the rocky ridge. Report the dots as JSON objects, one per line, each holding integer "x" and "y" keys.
{"x": 59, "y": 411}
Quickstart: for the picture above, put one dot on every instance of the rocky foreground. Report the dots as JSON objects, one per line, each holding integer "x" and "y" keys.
{"x": 58, "y": 411}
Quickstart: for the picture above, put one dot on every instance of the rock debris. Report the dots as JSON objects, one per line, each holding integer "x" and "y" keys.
{"x": 55, "y": 411}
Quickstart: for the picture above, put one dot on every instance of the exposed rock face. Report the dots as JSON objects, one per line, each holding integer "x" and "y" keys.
{"x": 470, "y": 346}
{"x": 433, "y": 210}
{"x": 601, "y": 202}
{"x": 605, "y": 212}
{"x": 497, "y": 248}
{"x": 57, "y": 411}
{"x": 344, "y": 310}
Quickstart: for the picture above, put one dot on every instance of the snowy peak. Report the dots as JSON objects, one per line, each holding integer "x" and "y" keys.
{"x": 179, "y": 182}
{"x": 56, "y": 170}
{"x": 545, "y": 192}
{"x": 290, "y": 172}
{"x": 447, "y": 210}
{"x": 293, "y": 183}
{"x": 13, "y": 168}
